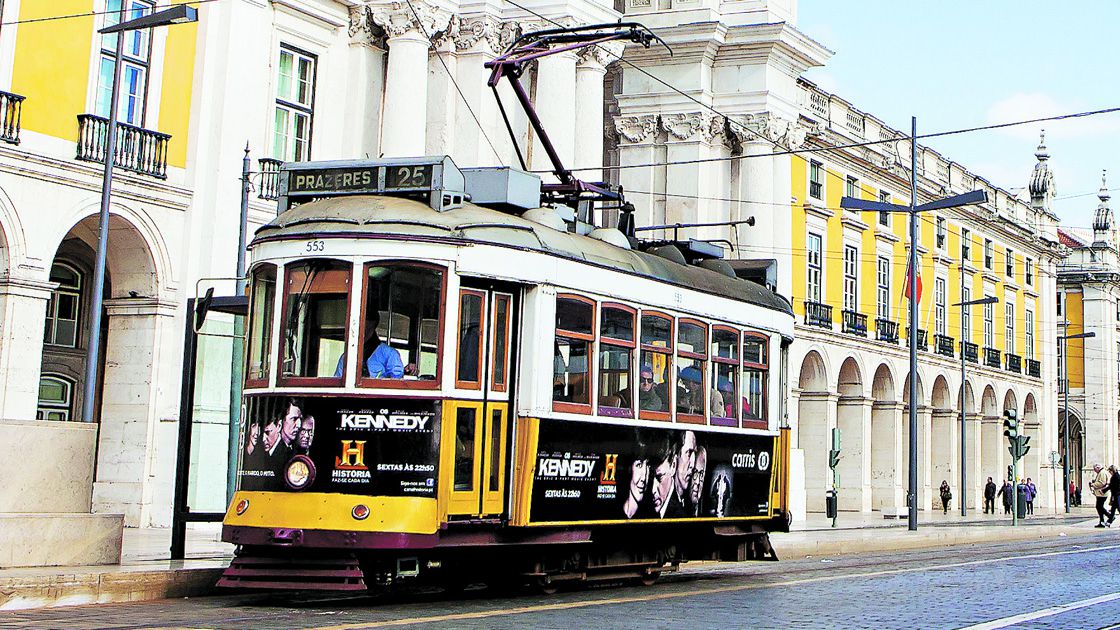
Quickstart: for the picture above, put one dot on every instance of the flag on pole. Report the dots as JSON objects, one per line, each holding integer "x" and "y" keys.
{"x": 906, "y": 291}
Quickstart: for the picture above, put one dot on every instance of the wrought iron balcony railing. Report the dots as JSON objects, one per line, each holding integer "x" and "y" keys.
{"x": 944, "y": 345}
{"x": 270, "y": 179}
{"x": 138, "y": 150}
{"x": 923, "y": 343}
{"x": 886, "y": 330}
{"x": 1013, "y": 363}
{"x": 854, "y": 323}
{"x": 971, "y": 351}
{"x": 991, "y": 357}
{"x": 1034, "y": 368}
{"x": 11, "y": 110}
{"x": 817, "y": 314}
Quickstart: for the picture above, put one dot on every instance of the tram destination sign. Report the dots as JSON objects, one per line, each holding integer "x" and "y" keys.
{"x": 360, "y": 179}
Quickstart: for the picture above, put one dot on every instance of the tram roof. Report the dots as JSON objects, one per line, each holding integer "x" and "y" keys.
{"x": 359, "y": 215}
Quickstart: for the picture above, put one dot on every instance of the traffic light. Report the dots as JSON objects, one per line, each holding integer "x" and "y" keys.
{"x": 1010, "y": 473}
{"x": 1010, "y": 425}
{"x": 834, "y": 454}
{"x": 1024, "y": 445}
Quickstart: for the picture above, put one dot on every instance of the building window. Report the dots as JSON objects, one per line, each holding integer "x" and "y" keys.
{"x": 813, "y": 281}
{"x": 966, "y": 245}
{"x": 851, "y": 187}
{"x": 62, "y": 307}
{"x": 966, "y": 315}
{"x": 816, "y": 180}
{"x": 939, "y": 306}
{"x": 1010, "y": 263}
{"x": 1009, "y": 328}
{"x": 56, "y": 398}
{"x": 1058, "y": 295}
{"x": 989, "y": 326}
{"x": 941, "y": 233}
{"x": 884, "y": 217}
{"x": 988, "y": 253}
{"x": 883, "y": 288}
{"x": 851, "y": 278}
{"x": 1028, "y": 272}
{"x": 295, "y": 101}
{"x": 136, "y": 55}
{"x": 1028, "y": 322}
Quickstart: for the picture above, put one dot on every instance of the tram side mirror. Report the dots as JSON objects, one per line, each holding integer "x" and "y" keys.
{"x": 202, "y": 308}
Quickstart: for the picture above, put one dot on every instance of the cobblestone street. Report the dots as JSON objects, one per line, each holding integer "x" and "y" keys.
{"x": 1051, "y": 584}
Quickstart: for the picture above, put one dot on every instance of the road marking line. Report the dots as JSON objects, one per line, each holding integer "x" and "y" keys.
{"x": 1046, "y": 612}
{"x": 482, "y": 614}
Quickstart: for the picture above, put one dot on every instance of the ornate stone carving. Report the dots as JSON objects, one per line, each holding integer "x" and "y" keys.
{"x": 398, "y": 18}
{"x": 600, "y": 55}
{"x": 491, "y": 35}
{"x": 636, "y": 128}
{"x": 362, "y": 27}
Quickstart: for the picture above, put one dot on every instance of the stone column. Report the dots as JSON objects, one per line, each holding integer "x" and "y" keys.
{"x": 406, "y": 82}
{"x": 926, "y": 490}
{"x": 591, "y": 67}
{"x": 637, "y": 136}
{"x": 136, "y": 444}
{"x": 363, "y": 95}
{"x": 476, "y": 41}
{"x": 888, "y": 458}
{"x": 555, "y": 101}
{"x": 23, "y": 305}
{"x": 853, "y": 417}
{"x": 816, "y": 417}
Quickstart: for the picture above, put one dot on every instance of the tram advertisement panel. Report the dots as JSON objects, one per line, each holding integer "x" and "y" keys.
{"x": 596, "y": 472}
{"x": 352, "y": 445}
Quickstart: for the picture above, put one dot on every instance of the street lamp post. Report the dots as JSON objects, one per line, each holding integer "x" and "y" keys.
{"x": 964, "y": 199}
{"x": 1065, "y": 402}
{"x": 175, "y": 15}
{"x": 991, "y": 299}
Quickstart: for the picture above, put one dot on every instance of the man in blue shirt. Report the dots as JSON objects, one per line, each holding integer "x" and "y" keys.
{"x": 383, "y": 361}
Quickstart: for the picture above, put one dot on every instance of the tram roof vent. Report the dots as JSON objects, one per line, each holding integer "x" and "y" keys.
{"x": 503, "y": 188}
{"x": 436, "y": 180}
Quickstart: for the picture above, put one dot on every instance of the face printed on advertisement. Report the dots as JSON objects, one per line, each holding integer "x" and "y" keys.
{"x": 291, "y": 423}
{"x": 271, "y": 434}
{"x": 254, "y": 438}
{"x": 663, "y": 484}
{"x": 639, "y": 480}
{"x": 306, "y": 433}
{"x": 698, "y": 476}
{"x": 686, "y": 462}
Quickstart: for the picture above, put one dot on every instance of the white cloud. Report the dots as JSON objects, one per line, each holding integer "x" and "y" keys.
{"x": 1031, "y": 105}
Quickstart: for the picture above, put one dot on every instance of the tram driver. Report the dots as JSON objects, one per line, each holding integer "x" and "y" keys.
{"x": 382, "y": 360}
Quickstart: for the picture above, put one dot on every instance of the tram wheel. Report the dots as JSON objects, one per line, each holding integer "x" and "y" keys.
{"x": 545, "y": 586}
{"x": 649, "y": 577}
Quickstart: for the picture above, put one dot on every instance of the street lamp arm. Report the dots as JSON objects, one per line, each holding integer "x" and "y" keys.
{"x": 991, "y": 299}
{"x": 175, "y": 15}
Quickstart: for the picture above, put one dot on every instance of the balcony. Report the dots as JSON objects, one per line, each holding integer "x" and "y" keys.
{"x": 1034, "y": 368}
{"x": 854, "y": 323}
{"x": 886, "y": 330}
{"x": 817, "y": 314}
{"x": 991, "y": 358}
{"x": 971, "y": 351}
{"x": 1013, "y": 363}
{"x": 270, "y": 179}
{"x": 923, "y": 343}
{"x": 11, "y": 109}
{"x": 943, "y": 345}
{"x": 138, "y": 150}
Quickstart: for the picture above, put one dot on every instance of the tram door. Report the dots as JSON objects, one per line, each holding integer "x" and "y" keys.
{"x": 478, "y": 427}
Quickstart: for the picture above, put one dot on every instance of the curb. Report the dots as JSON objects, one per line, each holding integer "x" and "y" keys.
{"x": 103, "y": 587}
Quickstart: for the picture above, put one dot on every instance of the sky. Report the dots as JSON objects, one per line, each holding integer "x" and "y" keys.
{"x": 966, "y": 63}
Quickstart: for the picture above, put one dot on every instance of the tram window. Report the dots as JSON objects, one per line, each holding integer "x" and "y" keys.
{"x": 470, "y": 339}
{"x": 755, "y": 368}
{"x": 401, "y": 322}
{"x": 571, "y": 385}
{"x": 653, "y": 370}
{"x": 260, "y": 324}
{"x": 315, "y": 318}
{"x": 501, "y": 331}
{"x": 616, "y": 357}
{"x": 692, "y": 370}
{"x": 725, "y": 366}
{"x": 464, "y": 448}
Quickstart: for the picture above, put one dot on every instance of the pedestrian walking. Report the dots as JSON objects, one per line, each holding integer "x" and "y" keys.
{"x": 1007, "y": 492}
{"x": 1099, "y": 486}
{"x": 990, "y": 497}
{"x": 1114, "y": 490}
{"x": 1032, "y": 492}
{"x": 946, "y": 495}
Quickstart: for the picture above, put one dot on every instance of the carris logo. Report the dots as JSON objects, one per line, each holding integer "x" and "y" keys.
{"x": 572, "y": 468}
{"x": 403, "y": 421}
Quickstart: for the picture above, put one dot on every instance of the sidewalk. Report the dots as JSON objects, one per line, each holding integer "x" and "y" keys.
{"x": 145, "y": 573}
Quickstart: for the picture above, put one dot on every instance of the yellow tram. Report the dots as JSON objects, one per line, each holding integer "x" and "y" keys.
{"x": 447, "y": 382}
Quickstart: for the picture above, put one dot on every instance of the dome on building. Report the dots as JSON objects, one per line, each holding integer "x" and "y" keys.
{"x": 1042, "y": 186}
{"x": 1102, "y": 220}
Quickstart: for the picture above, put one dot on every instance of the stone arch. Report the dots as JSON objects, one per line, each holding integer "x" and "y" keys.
{"x": 816, "y": 416}
{"x": 941, "y": 398}
{"x": 882, "y": 387}
{"x": 1030, "y": 409}
{"x": 1077, "y": 463}
{"x": 13, "y": 241}
{"x": 1010, "y": 402}
{"x": 969, "y": 399}
{"x": 850, "y": 380}
{"x": 906, "y": 391}
{"x": 814, "y": 374}
{"x": 988, "y": 402}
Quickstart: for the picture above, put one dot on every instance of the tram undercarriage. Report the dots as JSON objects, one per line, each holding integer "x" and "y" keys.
{"x": 465, "y": 555}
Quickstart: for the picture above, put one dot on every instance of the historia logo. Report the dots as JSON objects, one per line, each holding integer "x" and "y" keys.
{"x": 350, "y": 466}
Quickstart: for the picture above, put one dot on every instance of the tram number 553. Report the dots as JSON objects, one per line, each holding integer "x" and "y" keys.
{"x": 315, "y": 246}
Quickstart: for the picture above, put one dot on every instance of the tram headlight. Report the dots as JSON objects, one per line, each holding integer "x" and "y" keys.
{"x": 299, "y": 473}
{"x": 360, "y": 512}
{"x": 242, "y": 506}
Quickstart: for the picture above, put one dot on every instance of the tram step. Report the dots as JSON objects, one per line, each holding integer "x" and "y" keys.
{"x": 294, "y": 573}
